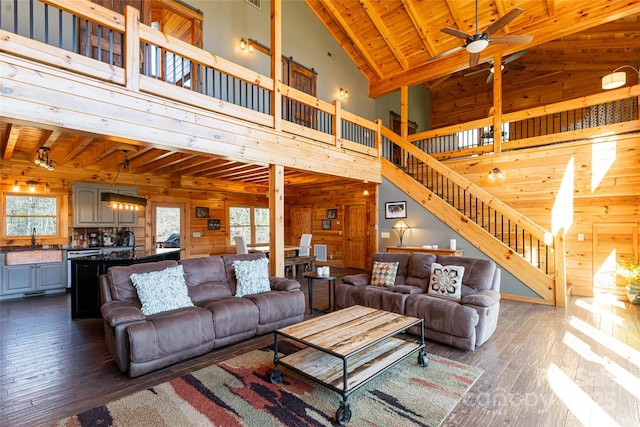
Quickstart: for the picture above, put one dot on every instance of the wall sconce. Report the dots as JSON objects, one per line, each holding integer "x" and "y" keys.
{"x": 366, "y": 190}
{"x": 246, "y": 45}
{"x": 32, "y": 186}
{"x": 43, "y": 158}
{"x": 344, "y": 93}
{"x": 155, "y": 25}
{"x": 496, "y": 173}
{"x": 401, "y": 227}
{"x": 16, "y": 186}
{"x": 617, "y": 78}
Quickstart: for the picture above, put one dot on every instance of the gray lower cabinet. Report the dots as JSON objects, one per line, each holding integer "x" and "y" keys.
{"x": 26, "y": 278}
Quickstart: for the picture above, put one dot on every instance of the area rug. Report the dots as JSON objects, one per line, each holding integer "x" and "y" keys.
{"x": 238, "y": 392}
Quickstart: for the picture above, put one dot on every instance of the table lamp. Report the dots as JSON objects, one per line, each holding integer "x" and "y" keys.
{"x": 401, "y": 226}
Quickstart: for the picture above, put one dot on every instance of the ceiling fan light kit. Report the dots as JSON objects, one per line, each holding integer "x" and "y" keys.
{"x": 476, "y": 43}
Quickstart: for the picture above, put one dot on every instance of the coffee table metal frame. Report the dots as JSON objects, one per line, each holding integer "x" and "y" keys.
{"x": 345, "y": 355}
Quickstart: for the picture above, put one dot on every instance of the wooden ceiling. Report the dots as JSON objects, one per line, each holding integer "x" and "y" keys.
{"x": 393, "y": 41}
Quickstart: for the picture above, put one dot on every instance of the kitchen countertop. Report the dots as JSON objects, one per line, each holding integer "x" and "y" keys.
{"x": 127, "y": 254}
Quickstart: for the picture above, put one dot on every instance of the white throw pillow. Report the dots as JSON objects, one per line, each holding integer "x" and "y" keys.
{"x": 446, "y": 280}
{"x": 252, "y": 276}
{"x": 162, "y": 290}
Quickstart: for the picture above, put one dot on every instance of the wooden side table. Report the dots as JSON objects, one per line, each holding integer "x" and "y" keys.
{"x": 331, "y": 280}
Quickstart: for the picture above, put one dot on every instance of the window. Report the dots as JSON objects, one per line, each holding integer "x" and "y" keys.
{"x": 24, "y": 214}
{"x": 250, "y": 223}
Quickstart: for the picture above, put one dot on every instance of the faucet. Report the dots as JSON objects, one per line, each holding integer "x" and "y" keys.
{"x": 33, "y": 239}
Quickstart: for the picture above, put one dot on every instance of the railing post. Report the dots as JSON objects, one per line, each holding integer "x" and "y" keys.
{"x": 276, "y": 63}
{"x": 337, "y": 123}
{"x": 560, "y": 275}
{"x": 497, "y": 103}
{"x": 404, "y": 120}
{"x": 378, "y": 138}
{"x": 132, "y": 48}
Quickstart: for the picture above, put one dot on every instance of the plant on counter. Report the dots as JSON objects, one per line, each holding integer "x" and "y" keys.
{"x": 630, "y": 271}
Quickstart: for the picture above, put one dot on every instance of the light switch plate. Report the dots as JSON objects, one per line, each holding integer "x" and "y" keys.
{"x": 197, "y": 234}
{"x": 384, "y": 235}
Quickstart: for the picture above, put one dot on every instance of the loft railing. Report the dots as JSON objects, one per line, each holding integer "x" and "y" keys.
{"x": 168, "y": 67}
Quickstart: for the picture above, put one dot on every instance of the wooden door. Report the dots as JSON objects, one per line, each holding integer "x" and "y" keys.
{"x": 355, "y": 236}
{"x": 304, "y": 79}
{"x": 397, "y": 156}
{"x": 613, "y": 243}
{"x": 300, "y": 223}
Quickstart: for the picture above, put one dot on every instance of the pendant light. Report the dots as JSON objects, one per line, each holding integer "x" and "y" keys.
{"x": 122, "y": 201}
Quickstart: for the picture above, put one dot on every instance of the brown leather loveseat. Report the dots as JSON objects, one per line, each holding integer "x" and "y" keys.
{"x": 465, "y": 323}
{"x": 141, "y": 343}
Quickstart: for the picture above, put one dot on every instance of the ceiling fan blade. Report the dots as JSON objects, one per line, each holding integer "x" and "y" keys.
{"x": 474, "y": 58}
{"x": 504, "y": 20}
{"x": 489, "y": 78}
{"x": 512, "y": 39}
{"x": 445, "y": 53}
{"x": 456, "y": 33}
{"x": 514, "y": 57}
{"x": 514, "y": 67}
{"x": 476, "y": 72}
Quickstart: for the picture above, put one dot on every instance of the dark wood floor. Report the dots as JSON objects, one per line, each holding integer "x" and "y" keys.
{"x": 544, "y": 366}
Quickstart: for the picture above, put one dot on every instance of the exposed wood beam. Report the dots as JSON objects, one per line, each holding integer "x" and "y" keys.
{"x": 220, "y": 185}
{"x": 382, "y": 28}
{"x": 458, "y": 19}
{"x": 78, "y": 147}
{"x": 418, "y": 24}
{"x": 169, "y": 158}
{"x": 344, "y": 26}
{"x": 551, "y": 8}
{"x": 10, "y": 141}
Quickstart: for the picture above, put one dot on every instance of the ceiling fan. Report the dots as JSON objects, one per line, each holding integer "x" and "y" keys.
{"x": 505, "y": 66}
{"x": 476, "y": 43}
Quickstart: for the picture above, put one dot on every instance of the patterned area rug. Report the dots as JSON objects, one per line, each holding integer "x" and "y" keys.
{"x": 238, "y": 392}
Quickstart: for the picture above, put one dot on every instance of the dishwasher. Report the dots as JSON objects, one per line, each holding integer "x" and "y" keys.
{"x": 78, "y": 253}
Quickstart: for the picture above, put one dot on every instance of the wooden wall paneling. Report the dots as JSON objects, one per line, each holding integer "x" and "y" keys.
{"x": 603, "y": 189}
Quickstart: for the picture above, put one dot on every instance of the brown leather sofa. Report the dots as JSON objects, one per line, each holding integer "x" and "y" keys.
{"x": 466, "y": 323}
{"x": 140, "y": 344}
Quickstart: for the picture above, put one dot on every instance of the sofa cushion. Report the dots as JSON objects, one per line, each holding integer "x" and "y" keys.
{"x": 253, "y": 277}
{"x": 384, "y": 273}
{"x": 419, "y": 270}
{"x": 120, "y": 284}
{"x": 205, "y": 278}
{"x": 478, "y": 273}
{"x": 162, "y": 290}
{"x": 446, "y": 280}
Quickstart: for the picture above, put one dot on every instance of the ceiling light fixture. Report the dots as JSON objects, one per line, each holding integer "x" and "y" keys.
{"x": 401, "y": 227}
{"x": 43, "y": 158}
{"x": 119, "y": 201}
{"x": 617, "y": 78}
{"x": 496, "y": 173}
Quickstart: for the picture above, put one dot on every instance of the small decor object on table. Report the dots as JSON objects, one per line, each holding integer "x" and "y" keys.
{"x": 326, "y": 224}
{"x": 395, "y": 210}
{"x": 332, "y": 213}
{"x": 213, "y": 224}
{"x": 630, "y": 271}
{"x": 202, "y": 212}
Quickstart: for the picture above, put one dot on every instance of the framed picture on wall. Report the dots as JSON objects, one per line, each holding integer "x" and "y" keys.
{"x": 202, "y": 212}
{"x": 332, "y": 213}
{"x": 326, "y": 224}
{"x": 213, "y": 224}
{"x": 395, "y": 210}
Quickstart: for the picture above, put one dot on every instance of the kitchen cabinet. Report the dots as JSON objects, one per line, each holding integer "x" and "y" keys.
{"x": 28, "y": 278}
{"x": 90, "y": 211}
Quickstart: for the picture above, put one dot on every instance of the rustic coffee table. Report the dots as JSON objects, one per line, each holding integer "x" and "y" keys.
{"x": 345, "y": 349}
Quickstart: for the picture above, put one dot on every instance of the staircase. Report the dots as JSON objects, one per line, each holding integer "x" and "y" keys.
{"x": 532, "y": 254}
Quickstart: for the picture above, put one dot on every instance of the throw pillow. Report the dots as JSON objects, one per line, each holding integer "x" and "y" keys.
{"x": 162, "y": 290}
{"x": 384, "y": 273}
{"x": 253, "y": 276}
{"x": 446, "y": 280}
